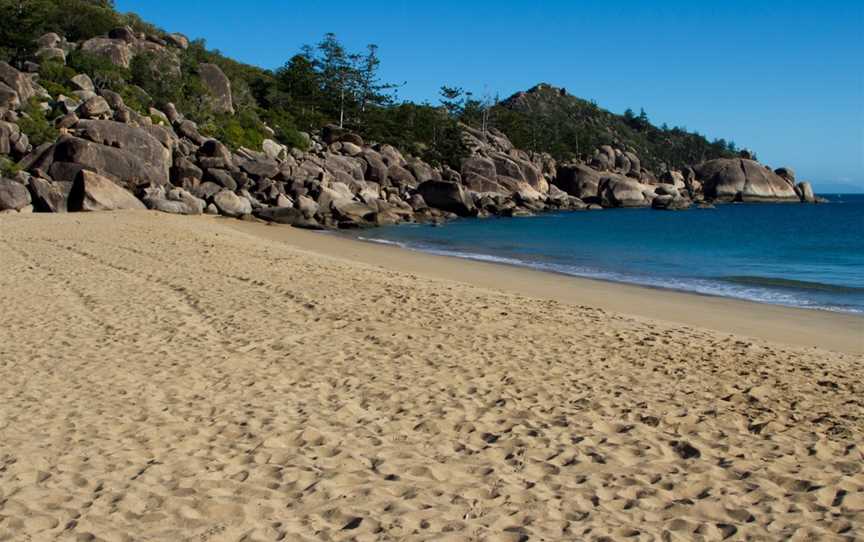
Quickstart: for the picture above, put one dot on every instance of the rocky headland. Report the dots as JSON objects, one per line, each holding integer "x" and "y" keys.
{"x": 108, "y": 155}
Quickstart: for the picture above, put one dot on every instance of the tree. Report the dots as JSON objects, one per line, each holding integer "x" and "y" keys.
{"x": 486, "y": 106}
{"x": 368, "y": 89}
{"x": 299, "y": 90}
{"x": 453, "y": 100}
{"x": 643, "y": 120}
{"x": 337, "y": 76}
{"x": 23, "y": 22}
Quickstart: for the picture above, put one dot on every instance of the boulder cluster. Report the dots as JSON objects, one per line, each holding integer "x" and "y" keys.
{"x": 108, "y": 157}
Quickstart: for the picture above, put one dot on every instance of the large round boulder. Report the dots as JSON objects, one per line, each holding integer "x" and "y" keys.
{"x": 580, "y": 181}
{"x": 400, "y": 176}
{"x": 115, "y": 51}
{"x": 95, "y": 107}
{"x": 93, "y": 192}
{"x": 219, "y": 86}
{"x": 668, "y": 202}
{"x": 120, "y": 151}
{"x": 230, "y": 204}
{"x": 288, "y": 215}
{"x": 13, "y": 195}
{"x": 479, "y": 165}
{"x": 447, "y": 196}
{"x": 48, "y": 196}
{"x": 178, "y": 40}
{"x": 807, "y": 195}
{"x": 421, "y": 170}
{"x": 376, "y": 169}
{"x": 615, "y": 191}
{"x": 19, "y": 82}
{"x": 740, "y": 179}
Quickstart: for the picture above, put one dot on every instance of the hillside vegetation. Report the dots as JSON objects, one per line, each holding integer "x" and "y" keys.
{"x": 546, "y": 118}
{"x": 327, "y": 84}
{"x": 102, "y": 111}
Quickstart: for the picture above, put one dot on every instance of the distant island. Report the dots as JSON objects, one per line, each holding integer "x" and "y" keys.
{"x": 104, "y": 111}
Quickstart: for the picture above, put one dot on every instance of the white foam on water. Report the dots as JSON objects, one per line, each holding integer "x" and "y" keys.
{"x": 700, "y": 286}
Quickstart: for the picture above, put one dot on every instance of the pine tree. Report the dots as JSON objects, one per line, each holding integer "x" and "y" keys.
{"x": 643, "y": 122}
{"x": 335, "y": 68}
{"x": 453, "y": 100}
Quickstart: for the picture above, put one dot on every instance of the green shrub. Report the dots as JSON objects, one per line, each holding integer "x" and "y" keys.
{"x": 36, "y": 125}
{"x": 286, "y": 132}
{"x": 136, "y": 98}
{"x": 55, "y": 89}
{"x": 103, "y": 73}
{"x": 24, "y": 21}
{"x": 82, "y": 19}
{"x": 8, "y": 168}
{"x": 138, "y": 24}
{"x": 154, "y": 74}
{"x": 244, "y": 129}
{"x": 55, "y": 76}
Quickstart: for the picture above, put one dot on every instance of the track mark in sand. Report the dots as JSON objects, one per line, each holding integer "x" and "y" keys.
{"x": 269, "y": 291}
{"x": 426, "y": 409}
{"x": 53, "y": 278}
{"x": 193, "y": 315}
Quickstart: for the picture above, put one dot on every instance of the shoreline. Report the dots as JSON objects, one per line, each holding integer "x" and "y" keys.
{"x": 489, "y": 258}
{"x": 837, "y": 331}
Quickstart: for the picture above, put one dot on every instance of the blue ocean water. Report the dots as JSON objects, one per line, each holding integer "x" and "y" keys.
{"x": 809, "y": 256}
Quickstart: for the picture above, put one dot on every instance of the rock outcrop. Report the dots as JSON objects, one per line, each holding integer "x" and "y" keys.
{"x": 93, "y": 192}
{"x": 615, "y": 191}
{"x": 19, "y": 83}
{"x": 806, "y": 192}
{"x": 447, "y": 196}
{"x": 123, "y": 44}
{"x": 13, "y": 195}
{"x": 49, "y": 196}
{"x": 230, "y": 204}
{"x": 219, "y": 86}
{"x": 116, "y": 51}
{"x": 110, "y": 157}
{"x": 740, "y": 179}
{"x": 130, "y": 166}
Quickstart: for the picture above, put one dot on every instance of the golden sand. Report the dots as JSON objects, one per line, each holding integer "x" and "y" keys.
{"x": 172, "y": 378}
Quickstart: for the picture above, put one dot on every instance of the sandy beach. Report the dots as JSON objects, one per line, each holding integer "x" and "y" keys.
{"x": 178, "y": 378}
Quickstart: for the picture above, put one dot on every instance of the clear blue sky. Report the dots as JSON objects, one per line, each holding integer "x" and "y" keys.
{"x": 783, "y": 78}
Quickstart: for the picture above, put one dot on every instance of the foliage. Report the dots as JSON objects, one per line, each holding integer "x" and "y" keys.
{"x": 8, "y": 168}
{"x": 103, "y": 72}
{"x": 82, "y": 19}
{"x": 54, "y": 77}
{"x": 135, "y": 98}
{"x": 247, "y": 129}
{"x": 640, "y": 123}
{"x": 137, "y": 24}
{"x": 327, "y": 83}
{"x": 549, "y": 120}
{"x": 24, "y": 21}
{"x": 36, "y": 125}
{"x": 324, "y": 84}
{"x": 284, "y": 127}
{"x": 243, "y": 129}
